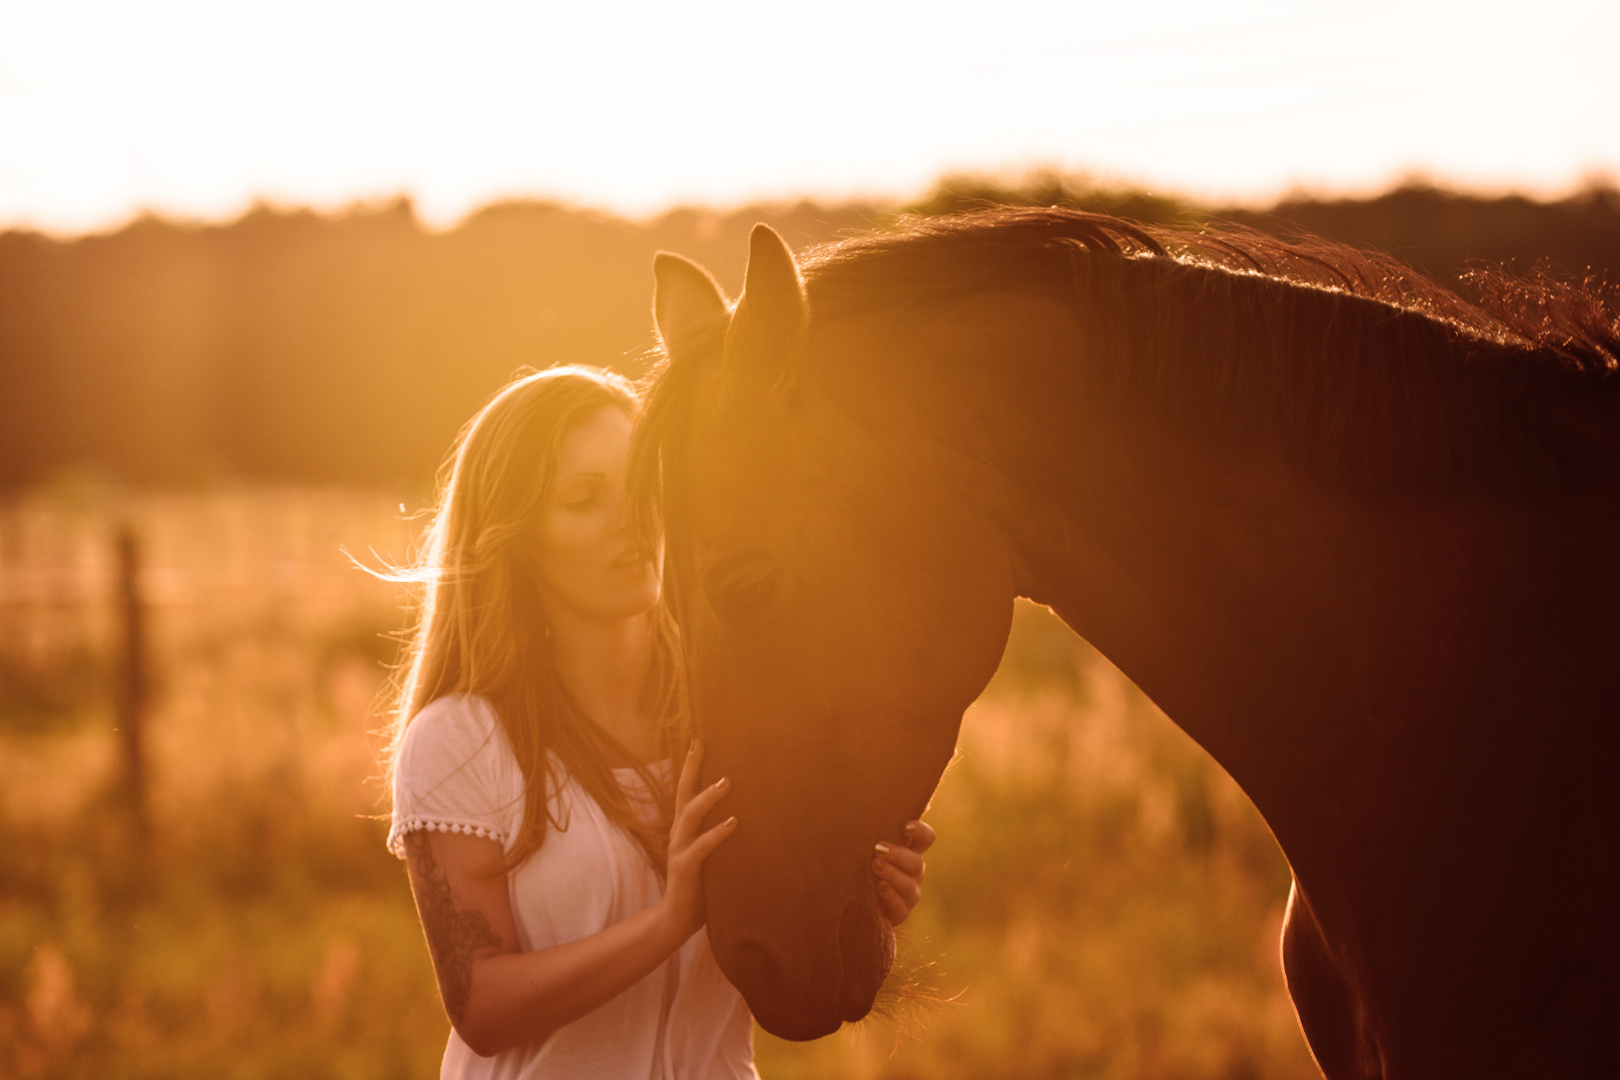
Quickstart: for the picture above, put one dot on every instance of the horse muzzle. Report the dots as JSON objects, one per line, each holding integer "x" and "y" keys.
{"x": 807, "y": 990}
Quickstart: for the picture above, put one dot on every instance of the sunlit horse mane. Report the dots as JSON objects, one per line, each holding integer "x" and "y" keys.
{"x": 1364, "y": 366}
{"x": 1357, "y": 364}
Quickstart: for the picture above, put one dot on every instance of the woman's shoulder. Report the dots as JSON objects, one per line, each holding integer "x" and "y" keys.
{"x": 452, "y": 731}
{"x": 455, "y": 773}
{"x": 456, "y": 712}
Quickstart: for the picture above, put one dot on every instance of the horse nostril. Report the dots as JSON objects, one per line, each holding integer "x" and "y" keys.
{"x": 755, "y": 968}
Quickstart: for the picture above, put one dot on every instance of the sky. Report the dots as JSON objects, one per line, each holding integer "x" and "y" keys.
{"x": 195, "y": 110}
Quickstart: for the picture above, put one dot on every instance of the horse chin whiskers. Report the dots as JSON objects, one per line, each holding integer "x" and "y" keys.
{"x": 910, "y": 992}
{"x": 910, "y": 988}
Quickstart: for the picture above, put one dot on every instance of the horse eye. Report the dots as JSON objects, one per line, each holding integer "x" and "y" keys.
{"x": 745, "y": 591}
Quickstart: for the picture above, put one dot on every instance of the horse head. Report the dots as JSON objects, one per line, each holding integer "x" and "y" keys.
{"x": 838, "y": 612}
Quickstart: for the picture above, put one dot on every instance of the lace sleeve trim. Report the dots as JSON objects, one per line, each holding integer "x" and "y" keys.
{"x": 396, "y": 835}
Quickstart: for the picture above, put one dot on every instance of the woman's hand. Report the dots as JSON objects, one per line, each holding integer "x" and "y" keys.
{"x": 900, "y": 870}
{"x": 683, "y": 885}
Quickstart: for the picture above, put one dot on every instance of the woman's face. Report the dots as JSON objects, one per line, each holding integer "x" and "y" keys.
{"x": 583, "y": 559}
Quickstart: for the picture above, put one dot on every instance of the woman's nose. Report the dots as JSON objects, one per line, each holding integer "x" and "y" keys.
{"x": 621, "y": 518}
{"x": 618, "y": 508}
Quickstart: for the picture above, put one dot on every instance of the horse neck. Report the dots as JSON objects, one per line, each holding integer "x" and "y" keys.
{"x": 1330, "y": 650}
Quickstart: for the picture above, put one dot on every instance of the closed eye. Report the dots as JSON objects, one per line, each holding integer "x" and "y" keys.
{"x": 582, "y": 491}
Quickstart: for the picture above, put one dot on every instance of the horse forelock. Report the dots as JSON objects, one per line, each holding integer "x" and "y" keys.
{"x": 670, "y": 395}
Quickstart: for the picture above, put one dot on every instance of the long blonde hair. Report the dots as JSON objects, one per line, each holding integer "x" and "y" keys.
{"x": 481, "y": 629}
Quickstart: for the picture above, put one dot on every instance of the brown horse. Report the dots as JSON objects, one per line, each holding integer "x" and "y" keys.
{"x": 1357, "y": 537}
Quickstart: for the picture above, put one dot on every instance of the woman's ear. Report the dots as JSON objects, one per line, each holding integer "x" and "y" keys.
{"x": 686, "y": 300}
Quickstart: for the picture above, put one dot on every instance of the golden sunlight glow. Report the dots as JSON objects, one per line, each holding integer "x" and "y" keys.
{"x": 196, "y": 109}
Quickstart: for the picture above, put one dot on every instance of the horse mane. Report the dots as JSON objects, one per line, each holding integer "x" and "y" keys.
{"x": 1380, "y": 377}
{"x": 1372, "y": 374}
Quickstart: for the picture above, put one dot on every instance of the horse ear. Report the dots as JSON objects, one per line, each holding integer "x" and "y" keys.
{"x": 685, "y": 300}
{"x": 772, "y": 312}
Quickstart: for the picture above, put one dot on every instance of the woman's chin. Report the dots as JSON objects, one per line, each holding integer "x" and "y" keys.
{"x": 637, "y": 590}
{"x": 616, "y": 601}
{"x": 641, "y": 601}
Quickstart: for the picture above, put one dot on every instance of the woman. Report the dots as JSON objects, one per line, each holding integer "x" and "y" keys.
{"x": 556, "y": 866}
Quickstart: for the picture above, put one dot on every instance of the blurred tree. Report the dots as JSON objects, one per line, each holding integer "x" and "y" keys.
{"x": 1441, "y": 232}
{"x": 349, "y": 348}
{"x": 962, "y": 193}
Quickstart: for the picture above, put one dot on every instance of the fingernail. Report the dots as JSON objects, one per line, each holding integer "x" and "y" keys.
{"x": 731, "y": 822}
{"x": 693, "y": 748}
{"x": 911, "y": 827}
{"x": 882, "y": 849}
{"x": 879, "y": 866}
{"x": 722, "y": 783}
{"x": 883, "y": 887}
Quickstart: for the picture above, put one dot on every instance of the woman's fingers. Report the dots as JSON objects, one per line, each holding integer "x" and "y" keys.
{"x": 686, "y": 786}
{"x": 691, "y": 814}
{"x": 906, "y": 882}
{"x": 905, "y": 860}
{"x": 906, "y": 888}
{"x": 894, "y": 909}
{"x": 919, "y": 836}
{"x": 899, "y": 873}
{"x": 705, "y": 844}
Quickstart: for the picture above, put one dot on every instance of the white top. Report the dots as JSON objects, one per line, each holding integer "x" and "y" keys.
{"x": 684, "y": 1021}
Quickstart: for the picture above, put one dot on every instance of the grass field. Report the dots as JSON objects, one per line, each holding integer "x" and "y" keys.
{"x": 1102, "y": 902}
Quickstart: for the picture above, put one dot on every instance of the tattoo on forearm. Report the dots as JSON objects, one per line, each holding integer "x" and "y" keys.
{"x": 453, "y": 935}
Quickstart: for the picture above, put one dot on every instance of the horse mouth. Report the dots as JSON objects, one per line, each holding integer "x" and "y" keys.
{"x": 796, "y": 1007}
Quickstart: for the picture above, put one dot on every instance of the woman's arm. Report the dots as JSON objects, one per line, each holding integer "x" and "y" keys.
{"x": 498, "y": 997}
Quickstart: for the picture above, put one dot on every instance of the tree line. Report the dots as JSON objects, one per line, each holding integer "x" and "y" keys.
{"x": 348, "y": 348}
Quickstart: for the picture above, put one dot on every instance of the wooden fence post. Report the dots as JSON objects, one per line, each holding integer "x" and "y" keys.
{"x": 130, "y": 689}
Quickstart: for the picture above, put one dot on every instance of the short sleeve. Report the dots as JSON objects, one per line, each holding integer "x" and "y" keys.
{"x": 455, "y": 773}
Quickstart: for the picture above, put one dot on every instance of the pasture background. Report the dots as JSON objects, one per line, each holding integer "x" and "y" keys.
{"x": 1102, "y": 902}
{"x": 257, "y": 398}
